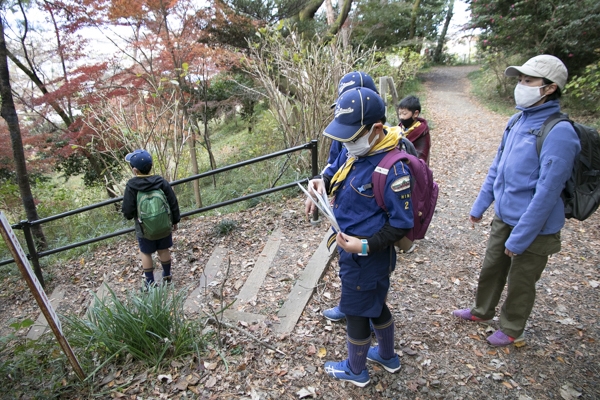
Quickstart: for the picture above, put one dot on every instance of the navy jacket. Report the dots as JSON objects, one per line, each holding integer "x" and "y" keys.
{"x": 146, "y": 183}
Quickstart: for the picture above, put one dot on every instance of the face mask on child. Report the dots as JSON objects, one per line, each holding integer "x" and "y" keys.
{"x": 407, "y": 123}
{"x": 526, "y": 96}
{"x": 361, "y": 146}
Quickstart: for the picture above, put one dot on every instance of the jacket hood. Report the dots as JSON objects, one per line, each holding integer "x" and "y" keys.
{"x": 145, "y": 183}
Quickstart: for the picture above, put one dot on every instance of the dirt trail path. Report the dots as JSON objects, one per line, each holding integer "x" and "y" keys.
{"x": 442, "y": 357}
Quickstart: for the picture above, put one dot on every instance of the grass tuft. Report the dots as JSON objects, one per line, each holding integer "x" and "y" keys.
{"x": 149, "y": 326}
{"x": 224, "y": 227}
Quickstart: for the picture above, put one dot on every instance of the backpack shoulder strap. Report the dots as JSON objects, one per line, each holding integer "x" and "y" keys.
{"x": 511, "y": 122}
{"x": 380, "y": 174}
{"x": 546, "y": 127}
{"x": 409, "y": 147}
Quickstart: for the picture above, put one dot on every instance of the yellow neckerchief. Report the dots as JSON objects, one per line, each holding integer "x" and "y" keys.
{"x": 405, "y": 131}
{"x": 389, "y": 142}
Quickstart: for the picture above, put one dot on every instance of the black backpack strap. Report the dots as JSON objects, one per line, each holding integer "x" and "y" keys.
{"x": 546, "y": 127}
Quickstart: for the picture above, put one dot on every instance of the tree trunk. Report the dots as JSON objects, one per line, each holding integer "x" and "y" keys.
{"x": 329, "y": 12}
{"x": 413, "y": 19}
{"x": 343, "y": 15}
{"x": 195, "y": 171}
{"x": 437, "y": 56}
{"x": 211, "y": 156}
{"x": 9, "y": 113}
{"x": 310, "y": 10}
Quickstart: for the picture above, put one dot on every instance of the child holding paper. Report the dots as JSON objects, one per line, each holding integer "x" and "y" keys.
{"x": 367, "y": 233}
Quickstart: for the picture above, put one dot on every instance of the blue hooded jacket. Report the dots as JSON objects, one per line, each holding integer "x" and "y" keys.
{"x": 525, "y": 187}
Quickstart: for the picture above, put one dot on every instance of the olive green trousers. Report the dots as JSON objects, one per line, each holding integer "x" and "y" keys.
{"x": 519, "y": 273}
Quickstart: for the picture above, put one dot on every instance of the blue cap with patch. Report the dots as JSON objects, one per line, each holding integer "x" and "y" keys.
{"x": 355, "y": 109}
{"x": 353, "y": 80}
{"x": 139, "y": 159}
{"x": 356, "y": 79}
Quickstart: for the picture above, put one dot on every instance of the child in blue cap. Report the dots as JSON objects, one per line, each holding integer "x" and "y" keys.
{"x": 352, "y": 80}
{"x": 349, "y": 81}
{"x": 141, "y": 164}
{"x": 365, "y": 243}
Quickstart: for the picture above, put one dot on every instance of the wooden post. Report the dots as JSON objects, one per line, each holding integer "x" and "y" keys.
{"x": 38, "y": 292}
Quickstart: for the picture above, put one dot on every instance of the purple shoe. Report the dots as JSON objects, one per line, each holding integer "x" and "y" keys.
{"x": 467, "y": 316}
{"x": 500, "y": 339}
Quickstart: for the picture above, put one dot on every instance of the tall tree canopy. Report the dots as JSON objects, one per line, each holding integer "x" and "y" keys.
{"x": 567, "y": 29}
{"x": 390, "y": 22}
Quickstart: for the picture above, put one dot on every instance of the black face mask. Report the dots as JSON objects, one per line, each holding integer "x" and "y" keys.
{"x": 407, "y": 123}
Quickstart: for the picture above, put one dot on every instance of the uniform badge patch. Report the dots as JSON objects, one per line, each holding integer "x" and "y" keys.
{"x": 401, "y": 184}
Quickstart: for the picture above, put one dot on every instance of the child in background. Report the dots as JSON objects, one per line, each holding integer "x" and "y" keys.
{"x": 414, "y": 128}
{"x": 141, "y": 164}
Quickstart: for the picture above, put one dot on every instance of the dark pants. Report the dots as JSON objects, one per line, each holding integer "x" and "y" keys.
{"x": 521, "y": 272}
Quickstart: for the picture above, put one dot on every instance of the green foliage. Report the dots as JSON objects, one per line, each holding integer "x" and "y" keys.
{"x": 485, "y": 88}
{"x": 300, "y": 78}
{"x": 36, "y": 369}
{"x": 224, "y": 227}
{"x": 388, "y": 25}
{"x": 566, "y": 29}
{"x": 269, "y": 11}
{"x": 498, "y": 85}
{"x": 151, "y": 327}
{"x": 227, "y": 90}
{"x": 57, "y": 197}
{"x": 76, "y": 164}
{"x": 10, "y": 199}
{"x": 402, "y": 64}
{"x": 384, "y": 27}
{"x": 584, "y": 89}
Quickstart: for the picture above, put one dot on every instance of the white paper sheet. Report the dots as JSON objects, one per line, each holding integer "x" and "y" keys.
{"x": 323, "y": 204}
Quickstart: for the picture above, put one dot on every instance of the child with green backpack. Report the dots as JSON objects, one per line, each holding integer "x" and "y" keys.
{"x": 150, "y": 201}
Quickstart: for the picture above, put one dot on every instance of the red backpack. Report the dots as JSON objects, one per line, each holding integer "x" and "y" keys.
{"x": 424, "y": 190}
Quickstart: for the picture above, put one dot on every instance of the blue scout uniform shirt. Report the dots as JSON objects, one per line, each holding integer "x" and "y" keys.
{"x": 355, "y": 207}
{"x": 365, "y": 280}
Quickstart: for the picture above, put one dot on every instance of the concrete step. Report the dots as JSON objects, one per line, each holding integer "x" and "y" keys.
{"x": 288, "y": 314}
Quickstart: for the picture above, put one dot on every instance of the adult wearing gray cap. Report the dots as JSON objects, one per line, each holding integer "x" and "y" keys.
{"x": 525, "y": 188}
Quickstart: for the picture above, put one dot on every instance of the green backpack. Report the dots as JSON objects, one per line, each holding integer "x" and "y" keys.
{"x": 154, "y": 214}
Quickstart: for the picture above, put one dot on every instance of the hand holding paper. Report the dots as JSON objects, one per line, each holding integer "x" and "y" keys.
{"x": 321, "y": 201}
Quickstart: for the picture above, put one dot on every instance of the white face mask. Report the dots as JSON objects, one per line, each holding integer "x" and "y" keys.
{"x": 526, "y": 96}
{"x": 361, "y": 146}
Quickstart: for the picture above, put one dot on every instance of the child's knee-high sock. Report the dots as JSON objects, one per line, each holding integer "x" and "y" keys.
{"x": 385, "y": 339}
{"x": 166, "y": 266}
{"x": 357, "y": 354}
{"x": 149, "y": 274}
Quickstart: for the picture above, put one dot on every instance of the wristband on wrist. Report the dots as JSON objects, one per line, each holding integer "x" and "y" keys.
{"x": 365, "y": 245}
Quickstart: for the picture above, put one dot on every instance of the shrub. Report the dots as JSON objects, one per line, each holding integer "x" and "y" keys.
{"x": 584, "y": 89}
{"x": 224, "y": 227}
{"x": 150, "y": 326}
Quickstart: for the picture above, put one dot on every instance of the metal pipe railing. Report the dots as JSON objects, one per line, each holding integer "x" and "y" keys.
{"x": 26, "y": 225}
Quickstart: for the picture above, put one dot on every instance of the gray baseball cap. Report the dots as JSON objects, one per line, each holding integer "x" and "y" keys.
{"x": 542, "y": 66}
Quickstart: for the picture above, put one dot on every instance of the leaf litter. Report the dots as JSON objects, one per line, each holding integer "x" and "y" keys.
{"x": 441, "y": 356}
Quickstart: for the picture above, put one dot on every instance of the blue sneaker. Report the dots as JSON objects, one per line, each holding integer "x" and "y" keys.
{"x": 392, "y": 365}
{"x": 341, "y": 370}
{"x": 334, "y": 314}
